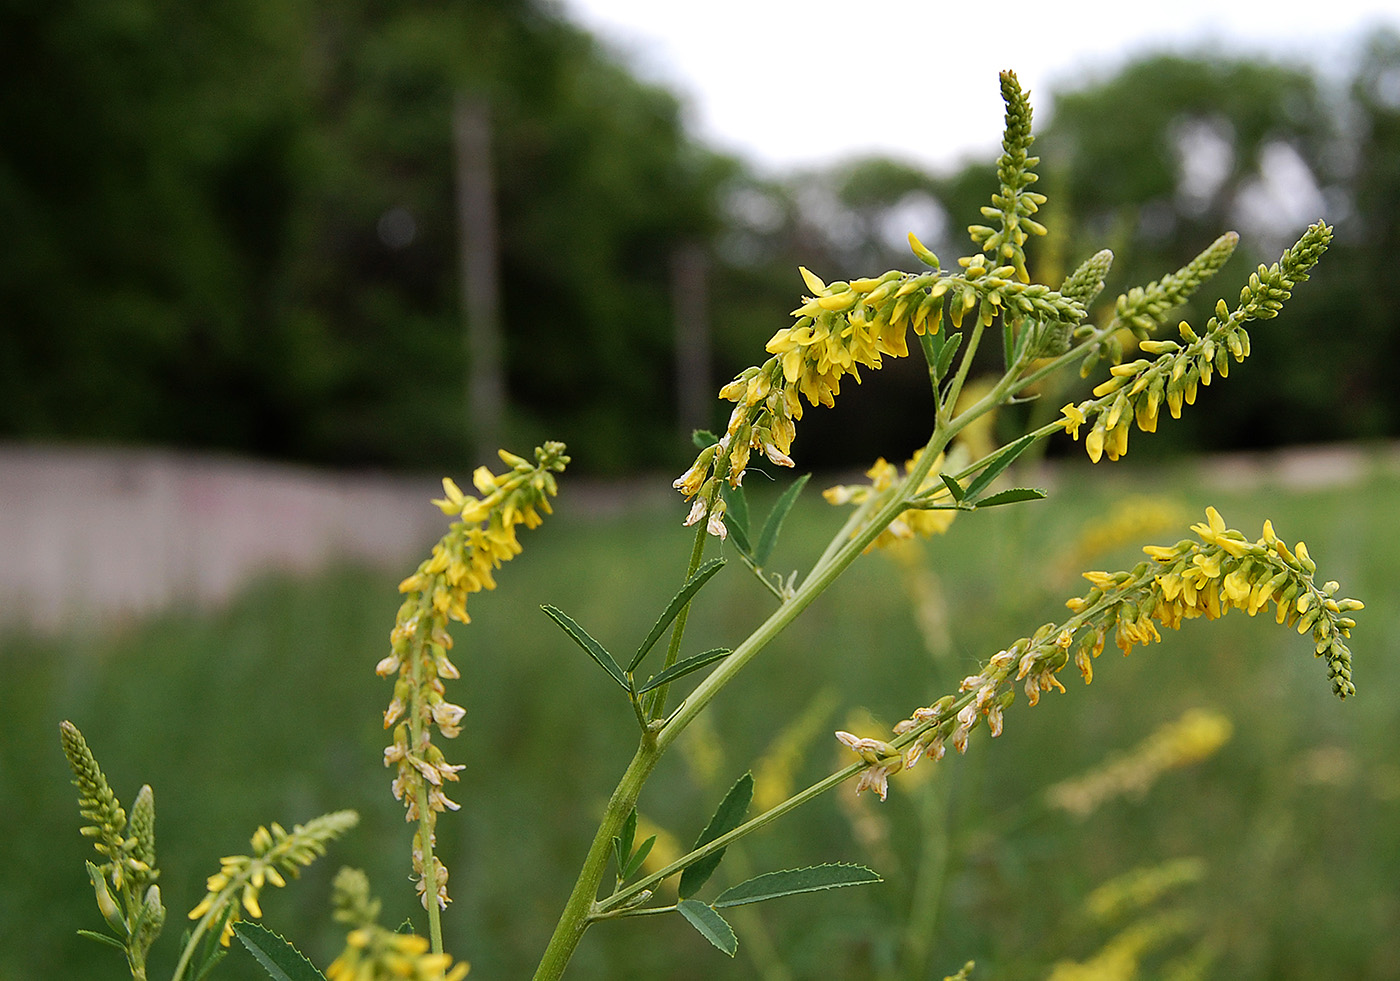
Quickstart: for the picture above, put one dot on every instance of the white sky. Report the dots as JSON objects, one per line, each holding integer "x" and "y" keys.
{"x": 790, "y": 83}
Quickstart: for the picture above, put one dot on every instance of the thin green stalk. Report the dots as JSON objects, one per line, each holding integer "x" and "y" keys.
{"x": 917, "y": 942}
{"x": 835, "y": 779}
{"x": 950, "y": 399}
{"x": 200, "y": 928}
{"x": 620, "y": 897}
{"x": 425, "y": 818}
{"x": 813, "y": 586}
{"x": 657, "y": 703}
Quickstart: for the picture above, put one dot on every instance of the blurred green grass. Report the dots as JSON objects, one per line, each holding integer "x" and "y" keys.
{"x": 269, "y": 710}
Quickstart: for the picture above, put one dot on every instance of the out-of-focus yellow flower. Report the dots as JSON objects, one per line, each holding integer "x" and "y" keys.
{"x": 911, "y": 523}
{"x": 240, "y": 878}
{"x": 1196, "y": 736}
{"x": 376, "y": 954}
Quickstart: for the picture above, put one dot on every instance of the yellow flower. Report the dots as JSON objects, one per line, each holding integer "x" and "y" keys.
{"x": 372, "y": 953}
{"x": 240, "y": 878}
{"x": 1073, "y": 418}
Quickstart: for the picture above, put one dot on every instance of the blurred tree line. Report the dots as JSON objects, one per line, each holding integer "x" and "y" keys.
{"x": 233, "y": 225}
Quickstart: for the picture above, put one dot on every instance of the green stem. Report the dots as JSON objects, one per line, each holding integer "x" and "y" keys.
{"x": 928, "y": 880}
{"x": 581, "y": 906}
{"x": 813, "y": 586}
{"x": 725, "y": 840}
{"x": 416, "y": 712}
{"x": 657, "y": 703}
{"x": 425, "y": 834}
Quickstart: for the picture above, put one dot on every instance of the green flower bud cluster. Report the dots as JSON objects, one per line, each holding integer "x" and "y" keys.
{"x": 1137, "y": 389}
{"x": 1082, "y": 286}
{"x": 124, "y": 882}
{"x": 1013, "y": 205}
{"x": 1143, "y": 309}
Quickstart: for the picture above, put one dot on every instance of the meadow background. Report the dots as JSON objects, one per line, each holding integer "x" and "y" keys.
{"x": 254, "y": 230}
{"x": 268, "y": 709}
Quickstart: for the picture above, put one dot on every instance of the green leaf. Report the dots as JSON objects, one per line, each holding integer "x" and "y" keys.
{"x": 213, "y": 951}
{"x": 1013, "y": 495}
{"x": 736, "y": 514}
{"x": 638, "y": 857}
{"x": 703, "y": 439}
{"x": 946, "y": 355}
{"x": 710, "y": 925}
{"x": 998, "y": 463}
{"x": 673, "y": 609}
{"x": 954, "y": 487}
{"x": 683, "y": 667}
{"x": 728, "y": 816}
{"x": 278, "y": 958}
{"x": 104, "y": 938}
{"x": 622, "y": 844}
{"x": 769, "y": 536}
{"x": 211, "y": 960}
{"x": 591, "y": 647}
{"x": 816, "y": 878}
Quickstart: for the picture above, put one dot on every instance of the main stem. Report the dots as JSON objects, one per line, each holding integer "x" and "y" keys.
{"x": 582, "y": 904}
{"x": 574, "y": 920}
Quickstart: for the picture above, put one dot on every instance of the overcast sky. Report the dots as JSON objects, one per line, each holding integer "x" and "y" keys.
{"x": 788, "y": 83}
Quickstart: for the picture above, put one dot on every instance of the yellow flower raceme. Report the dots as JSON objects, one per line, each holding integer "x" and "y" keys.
{"x": 1219, "y": 572}
{"x": 461, "y": 563}
{"x": 240, "y": 879}
{"x": 1136, "y": 390}
{"x": 1195, "y": 736}
{"x": 843, "y": 327}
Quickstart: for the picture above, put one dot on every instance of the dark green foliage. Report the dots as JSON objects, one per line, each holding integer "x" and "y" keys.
{"x": 234, "y": 226}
